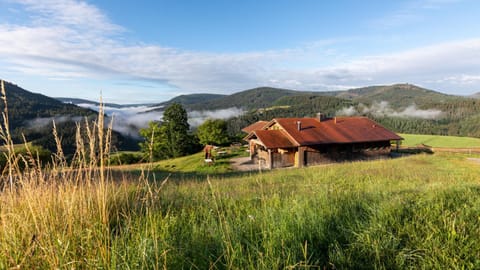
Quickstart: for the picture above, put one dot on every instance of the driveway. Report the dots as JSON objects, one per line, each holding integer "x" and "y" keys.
{"x": 243, "y": 164}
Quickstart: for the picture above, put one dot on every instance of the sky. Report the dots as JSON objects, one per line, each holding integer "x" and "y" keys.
{"x": 150, "y": 51}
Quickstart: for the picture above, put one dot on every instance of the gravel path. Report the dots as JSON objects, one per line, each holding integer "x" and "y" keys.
{"x": 243, "y": 164}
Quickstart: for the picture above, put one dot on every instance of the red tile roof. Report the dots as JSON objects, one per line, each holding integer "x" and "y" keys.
{"x": 335, "y": 130}
{"x": 328, "y": 131}
{"x": 274, "y": 138}
{"x": 255, "y": 126}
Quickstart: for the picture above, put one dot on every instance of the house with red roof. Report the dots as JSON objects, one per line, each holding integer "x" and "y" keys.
{"x": 255, "y": 126}
{"x": 299, "y": 142}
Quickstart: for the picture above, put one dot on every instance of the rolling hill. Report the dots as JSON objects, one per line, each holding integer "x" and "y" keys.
{"x": 457, "y": 115}
{"x": 25, "y": 106}
{"x": 405, "y": 107}
{"x": 79, "y": 101}
{"x": 397, "y": 95}
{"x": 186, "y": 100}
{"x": 32, "y": 114}
{"x": 256, "y": 98}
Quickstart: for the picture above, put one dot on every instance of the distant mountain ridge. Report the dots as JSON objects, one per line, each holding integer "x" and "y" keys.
{"x": 193, "y": 99}
{"x": 260, "y": 97}
{"x": 31, "y": 114}
{"x": 79, "y": 101}
{"x": 399, "y": 107}
{"x": 397, "y": 95}
{"x": 24, "y": 105}
{"x": 457, "y": 115}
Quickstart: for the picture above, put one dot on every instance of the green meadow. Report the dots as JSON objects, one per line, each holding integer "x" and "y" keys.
{"x": 440, "y": 141}
{"x": 416, "y": 212}
{"x": 189, "y": 167}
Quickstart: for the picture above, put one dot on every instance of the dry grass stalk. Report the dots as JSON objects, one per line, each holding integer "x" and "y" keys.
{"x": 12, "y": 159}
{"x": 53, "y": 202}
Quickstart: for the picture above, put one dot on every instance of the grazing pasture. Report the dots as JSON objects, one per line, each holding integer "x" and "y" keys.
{"x": 416, "y": 212}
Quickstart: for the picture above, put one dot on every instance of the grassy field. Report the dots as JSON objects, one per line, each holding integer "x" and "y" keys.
{"x": 408, "y": 213}
{"x": 189, "y": 167}
{"x": 440, "y": 141}
{"x": 416, "y": 212}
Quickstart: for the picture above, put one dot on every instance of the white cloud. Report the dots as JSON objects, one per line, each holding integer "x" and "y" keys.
{"x": 463, "y": 79}
{"x": 40, "y": 123}
{"x": 129, "y": 120}
{"x": 383, "y": 108}
{"x": 72, "y": 13}
{"x": 130, "y": 124}
{"x": 196, "y": 118}
{"x": 69, "y": 39}
{"x": 348, "y": 111}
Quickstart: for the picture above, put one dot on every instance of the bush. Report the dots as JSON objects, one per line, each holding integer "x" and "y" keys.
{"x": 126, "y": 158}
{"x": 37, "y": 154}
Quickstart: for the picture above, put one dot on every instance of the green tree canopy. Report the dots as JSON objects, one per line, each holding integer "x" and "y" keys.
{"x": 154, "y": 143}
{"x": 213, "y": 131}
{"x": 175, "y": 121}
{"x": 171, "y": 138}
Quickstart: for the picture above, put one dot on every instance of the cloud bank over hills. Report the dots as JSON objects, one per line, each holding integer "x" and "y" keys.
{"x": 383, "y": 108}
{"x": 129, "y": 120}
{"x": 68, "y": 40}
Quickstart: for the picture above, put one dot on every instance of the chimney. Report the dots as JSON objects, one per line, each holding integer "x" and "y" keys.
{"x": 320, "y": 117}
{"x": 299, "y": 125}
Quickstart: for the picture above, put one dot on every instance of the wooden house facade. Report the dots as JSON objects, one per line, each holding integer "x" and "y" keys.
{"x": 298, "y": 142}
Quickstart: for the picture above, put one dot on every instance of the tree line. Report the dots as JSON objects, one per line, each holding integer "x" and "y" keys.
{"x": 172, "y": 137}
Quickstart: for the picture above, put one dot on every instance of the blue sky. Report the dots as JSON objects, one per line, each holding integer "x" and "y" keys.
{"x": 151, "y": 51}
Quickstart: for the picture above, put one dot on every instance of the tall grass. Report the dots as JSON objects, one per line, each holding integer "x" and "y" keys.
{"x": 420, "y": 212}
{"x": 57, "y": 214}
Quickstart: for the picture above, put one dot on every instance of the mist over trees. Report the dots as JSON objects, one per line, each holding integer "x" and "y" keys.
{"x": 397, "y": 107}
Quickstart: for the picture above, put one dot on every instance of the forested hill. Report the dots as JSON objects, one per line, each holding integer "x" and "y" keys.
{"x": 32, "y": 115}
{"x": 404, "y": 108}
{"x": 81, "y": 102}
{"x": 458, "y": 115}
{"x": 24, "y": 106}
{"x": 191, "y": 99}
{"x": 397, "y": 95}
{"x": 256, "y": 98}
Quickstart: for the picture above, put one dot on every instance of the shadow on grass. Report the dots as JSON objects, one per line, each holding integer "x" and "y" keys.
{"x": 421, "y": 149}
{"x": 198, "y": 176}
{"x": 157, "y": 174}
{"x": 221, "y": 169}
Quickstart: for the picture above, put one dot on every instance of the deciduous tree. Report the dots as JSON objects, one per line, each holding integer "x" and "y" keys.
{"x": 171, "y": 137}
{"x": 213, "y": 131}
